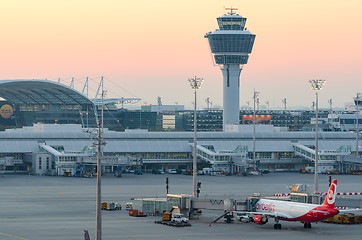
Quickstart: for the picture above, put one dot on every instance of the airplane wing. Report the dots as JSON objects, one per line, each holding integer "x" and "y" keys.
{"x": 357, "y": 212}
{"x": 268, "y": 215}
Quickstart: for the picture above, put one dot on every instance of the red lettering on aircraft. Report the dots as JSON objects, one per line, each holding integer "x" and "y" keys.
{"x": 265, "y": 207}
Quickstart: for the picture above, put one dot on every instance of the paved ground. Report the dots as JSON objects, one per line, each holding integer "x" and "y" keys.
{"x": 47, "y": 208}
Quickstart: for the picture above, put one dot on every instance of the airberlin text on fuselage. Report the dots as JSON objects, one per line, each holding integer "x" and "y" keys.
{"x": 265, "y": 207}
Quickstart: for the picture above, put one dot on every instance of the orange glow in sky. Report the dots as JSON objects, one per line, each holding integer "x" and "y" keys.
{"x": 151, "y": 48}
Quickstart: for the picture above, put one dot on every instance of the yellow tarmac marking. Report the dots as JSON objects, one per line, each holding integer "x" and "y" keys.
{"x": 9, "y": 235}
{"x": 60, "y": 193}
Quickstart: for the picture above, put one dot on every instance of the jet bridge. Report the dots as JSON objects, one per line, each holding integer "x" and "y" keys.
{"x": 223, "y": 160}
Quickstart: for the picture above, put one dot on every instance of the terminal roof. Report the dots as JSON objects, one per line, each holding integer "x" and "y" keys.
{"x": 40, "y": 92}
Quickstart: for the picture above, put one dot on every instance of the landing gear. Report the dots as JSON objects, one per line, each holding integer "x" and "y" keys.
{"x": 277, "y": 225}
{"x": 307, "y": 225}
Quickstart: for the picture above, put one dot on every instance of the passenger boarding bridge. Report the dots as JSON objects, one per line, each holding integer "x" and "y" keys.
{"x": 224, "y": 160}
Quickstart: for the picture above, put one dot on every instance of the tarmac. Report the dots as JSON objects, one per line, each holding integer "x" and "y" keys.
{"x": 47, "y": 208}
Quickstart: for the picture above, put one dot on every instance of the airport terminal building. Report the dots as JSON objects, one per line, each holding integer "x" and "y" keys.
{"x": 63, "y": 147}
{"x": 58, "y": 149}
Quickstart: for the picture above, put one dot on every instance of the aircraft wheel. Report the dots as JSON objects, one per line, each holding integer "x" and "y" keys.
{"x": 309, "y": 225}
{"x": 305, "y": 225}
{"x": 277, "y": 226}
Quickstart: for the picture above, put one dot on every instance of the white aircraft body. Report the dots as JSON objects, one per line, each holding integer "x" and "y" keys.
{"x": 293, "y": 211}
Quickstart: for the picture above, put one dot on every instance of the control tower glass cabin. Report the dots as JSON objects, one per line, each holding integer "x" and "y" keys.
{"x": 231, "y": 45}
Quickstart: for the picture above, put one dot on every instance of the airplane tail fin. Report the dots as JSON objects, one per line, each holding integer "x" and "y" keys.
{"x": 331, "y": 195}
{"x": 86, "y": 235}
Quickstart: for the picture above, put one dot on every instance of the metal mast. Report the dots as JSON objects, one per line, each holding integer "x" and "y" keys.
{"x": 98, "y": 201}
{"x": 195, "y": 84}
{"x": 316, "y": 85}
{"x": 99, "y": 174}
{"x": 255, "y": 97}
{"x": 285, "y": 104}
{"x": 357, "y": 126}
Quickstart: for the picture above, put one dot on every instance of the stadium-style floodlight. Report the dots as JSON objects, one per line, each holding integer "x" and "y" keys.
{"x": 317, "y": 85}
{"x": 195, "y": 84}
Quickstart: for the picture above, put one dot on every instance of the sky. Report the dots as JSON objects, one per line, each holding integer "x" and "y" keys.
{"x": 147, "y": 49}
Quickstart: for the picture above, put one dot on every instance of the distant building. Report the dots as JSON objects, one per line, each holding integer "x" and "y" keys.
{"x": 162, "y": 108}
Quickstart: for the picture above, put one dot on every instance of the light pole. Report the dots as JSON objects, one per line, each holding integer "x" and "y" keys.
{"x": 98, "y": 201}
{"x": 357, "y": 126}
{"x": 284, "y": 101}
{"x": 268, "y": 104}
{"x": 317, "y": 85}
{"x": 330, "y": 101}
{"x": 255, "y": 97}
{"x": 99, "y": 174}
{"x": 195, "y": 84}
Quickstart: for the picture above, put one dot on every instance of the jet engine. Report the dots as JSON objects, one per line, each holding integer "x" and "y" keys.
{"x": 258, "y": 219}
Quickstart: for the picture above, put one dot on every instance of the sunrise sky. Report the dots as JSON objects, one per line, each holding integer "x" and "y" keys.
{"x": 150, "y": 48}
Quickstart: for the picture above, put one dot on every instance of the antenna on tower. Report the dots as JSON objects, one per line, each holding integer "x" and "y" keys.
{"x": 231, "y": 10}
{"x": 284, "y": 101}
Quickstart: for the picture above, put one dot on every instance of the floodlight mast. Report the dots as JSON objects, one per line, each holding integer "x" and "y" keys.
{"x": 357, "y": 126}
{"x": 99, "y": 175}
{"x": 195, "y": 84}
{"x": 317, "y": 85}
{"x": 99, "y": 191}
{"x": 255, "y": 97}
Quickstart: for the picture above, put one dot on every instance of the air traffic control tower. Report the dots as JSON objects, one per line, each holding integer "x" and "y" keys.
{"x": 231, "y": 45}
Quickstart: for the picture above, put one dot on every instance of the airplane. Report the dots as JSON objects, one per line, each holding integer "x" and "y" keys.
{"x": 293, "y": 211}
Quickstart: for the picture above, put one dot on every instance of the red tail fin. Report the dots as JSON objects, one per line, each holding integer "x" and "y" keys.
{"x": 331, "y": 195}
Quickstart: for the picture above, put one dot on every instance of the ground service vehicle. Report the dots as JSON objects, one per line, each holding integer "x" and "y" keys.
{"x": 172, "y": 171}
{"x": 129, "y": 206}
{"x": 138, "y": 172}
{"x": 157, "y": 171}
{"x": 136, "y": 213}
{"x": 179, "y": 218}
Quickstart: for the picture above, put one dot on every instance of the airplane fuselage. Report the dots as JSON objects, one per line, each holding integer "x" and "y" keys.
{"x": 294, "y": 211}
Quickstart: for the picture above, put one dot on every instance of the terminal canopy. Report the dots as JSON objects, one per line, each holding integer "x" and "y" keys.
{"x": 40, "y": 92}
